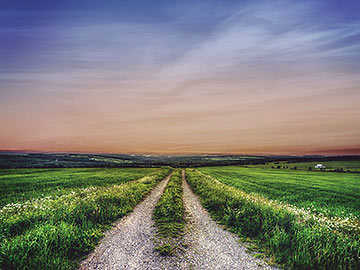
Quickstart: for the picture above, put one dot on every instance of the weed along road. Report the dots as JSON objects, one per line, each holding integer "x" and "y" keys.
{"x": 131, "y": 244}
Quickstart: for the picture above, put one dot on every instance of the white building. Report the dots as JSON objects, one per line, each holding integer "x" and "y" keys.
{"x": 320, "y": 166}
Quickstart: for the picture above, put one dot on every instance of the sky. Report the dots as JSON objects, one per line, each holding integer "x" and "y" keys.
{"x": 247, "y": 77}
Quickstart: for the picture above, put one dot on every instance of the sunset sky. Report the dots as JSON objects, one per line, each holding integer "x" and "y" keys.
{"x": 205, "y": 76}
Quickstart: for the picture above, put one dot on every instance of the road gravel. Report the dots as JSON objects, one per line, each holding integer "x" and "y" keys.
{"x": 210, "y": 246}
{"x": 204, "y": 246}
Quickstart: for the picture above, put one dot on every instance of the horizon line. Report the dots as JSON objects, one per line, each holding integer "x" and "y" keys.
{"x": 329, "y": 152}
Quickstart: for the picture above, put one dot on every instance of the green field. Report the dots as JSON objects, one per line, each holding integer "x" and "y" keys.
{"x": 18, "y": 185}
{"x": 299, "y": 238}
{"x": 66, "y": 213}
{"x": 52, "y": 218}
{"x": 334, "y": 194}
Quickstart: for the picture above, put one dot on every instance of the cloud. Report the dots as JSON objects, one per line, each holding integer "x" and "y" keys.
{"x": 262, "y": 37}
{"x": 254, "y": 39}
{"x": 222, "y": 75}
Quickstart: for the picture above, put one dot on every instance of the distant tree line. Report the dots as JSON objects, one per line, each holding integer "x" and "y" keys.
{"x": 32, "y": 160}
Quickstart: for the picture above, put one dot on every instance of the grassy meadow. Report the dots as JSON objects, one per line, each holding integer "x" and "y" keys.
{"x": 285, "y": 211}
{"x": 52, "y": 218}
{"x": 23, "y": 184}
{"x": 332, "y": 194}
{"x": 66, "y": 213}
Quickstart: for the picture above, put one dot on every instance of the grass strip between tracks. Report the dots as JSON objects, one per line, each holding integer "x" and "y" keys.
{"x": 169, "y": 216}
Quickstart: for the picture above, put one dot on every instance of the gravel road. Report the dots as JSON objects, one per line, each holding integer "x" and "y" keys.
{"x": 130, "y": 244}
{"x": 211, "y": 247}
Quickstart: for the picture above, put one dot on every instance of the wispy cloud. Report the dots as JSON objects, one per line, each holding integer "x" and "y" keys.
{"x": 244, "y": 72}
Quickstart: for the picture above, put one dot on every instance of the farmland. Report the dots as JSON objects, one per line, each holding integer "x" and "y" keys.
{"x": 22, "y": 184}
{"x": 55, "y": 229}
{"x": 51, "y": 218}
{"x": 294, "y": 215}
{"x": 333, "y": 194}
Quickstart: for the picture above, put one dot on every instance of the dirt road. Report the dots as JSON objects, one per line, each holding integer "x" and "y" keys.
{"x": 130, "y": 244}
{"x": 211, "y": 247}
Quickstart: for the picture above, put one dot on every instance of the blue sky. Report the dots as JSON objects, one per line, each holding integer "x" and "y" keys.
{"x": 30, "y": 27}
{"x": 234, "y": 70}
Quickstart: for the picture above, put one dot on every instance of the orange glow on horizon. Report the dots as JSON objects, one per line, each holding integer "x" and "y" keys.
{"x": 253, "y": 78}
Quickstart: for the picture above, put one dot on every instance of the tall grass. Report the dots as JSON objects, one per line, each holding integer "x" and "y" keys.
{"x": 290, "y": 238}
{"x": 56, "y": 232}
{"x": 169, "y": 215}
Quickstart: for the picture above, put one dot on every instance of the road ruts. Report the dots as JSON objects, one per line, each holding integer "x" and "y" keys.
{"x": 130, "y": 244}
{"x": 209, "y": 246}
